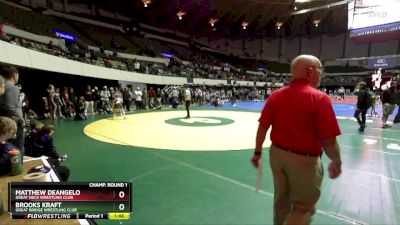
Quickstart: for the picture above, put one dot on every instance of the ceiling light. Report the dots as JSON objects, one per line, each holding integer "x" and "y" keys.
{"x": 279, "y": 25}
{"x": 180, "y": 14}
{"x": 146, "y": 3}
{"x": 244, "y": 25}
{"x": 303, "y": 11}
{"x": 316, "y": 22}
{"x": 212, "y": 21}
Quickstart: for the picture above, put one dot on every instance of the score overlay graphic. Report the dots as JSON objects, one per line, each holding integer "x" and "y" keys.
{"x": 78, "y": 200}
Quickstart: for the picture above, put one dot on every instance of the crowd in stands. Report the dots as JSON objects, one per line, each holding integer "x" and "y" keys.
{"x": 198, "y": 64}
{"x": 348, "y": 80}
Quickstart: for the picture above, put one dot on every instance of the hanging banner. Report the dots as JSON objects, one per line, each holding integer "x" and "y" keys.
{"x": 381, "y": 63}
{"x": 65, "y": 35}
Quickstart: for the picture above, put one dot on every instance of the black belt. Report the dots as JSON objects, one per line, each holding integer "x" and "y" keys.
{"x": 298, "y": 153}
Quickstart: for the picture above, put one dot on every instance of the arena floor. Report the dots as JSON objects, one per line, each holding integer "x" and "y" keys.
{"x": 198, "y": 171}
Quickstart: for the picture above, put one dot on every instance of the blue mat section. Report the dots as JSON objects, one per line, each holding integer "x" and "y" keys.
{"x": 341, "y": 109}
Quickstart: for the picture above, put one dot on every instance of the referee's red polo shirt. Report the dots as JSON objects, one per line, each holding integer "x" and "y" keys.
{"x": 301, "y": 117}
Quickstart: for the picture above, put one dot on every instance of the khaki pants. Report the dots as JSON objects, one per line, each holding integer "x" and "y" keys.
{"x": 297, "y": 182}
{"x": 388, "y": 108}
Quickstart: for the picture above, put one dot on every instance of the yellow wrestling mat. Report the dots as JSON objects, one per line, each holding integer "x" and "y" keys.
{"x": 204, "y": 131}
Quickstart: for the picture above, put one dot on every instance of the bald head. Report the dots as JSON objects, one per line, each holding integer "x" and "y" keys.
{"x": 306, "y": 67}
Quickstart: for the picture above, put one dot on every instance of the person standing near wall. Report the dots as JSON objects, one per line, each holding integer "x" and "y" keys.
{"x": 10, "y": 105}
{"x": 138, "y": 99}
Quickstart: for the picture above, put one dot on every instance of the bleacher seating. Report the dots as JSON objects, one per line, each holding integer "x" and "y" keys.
{"x": 200, "y": 65}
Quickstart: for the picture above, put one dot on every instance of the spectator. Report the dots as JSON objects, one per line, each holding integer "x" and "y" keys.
{"x": 44, "y": 146}
{"x": 10, "y": 105}
{"x": 35, "y": 128}
{"x": 108, "y": 63}
{"x": 89, "y": 101}
{"x": 118, "y": 106}
{"x": 127, "y": 98}
{"x": 114, "y": 43}
{"x": 152, "y": 96}
{"x": 43, "y": 142}
{"x": 388, "y": 104}
{"x": 136, "y": 65}
{"x": 80, "y": 109}
{"x": 138, "y": 99}
{"x": 363, "y": 103}
{"x": 8, "y": 128}
{"x": 69, "y": 109}
{"x": 45, "y": 108}
{"x": 2, "y": 85}
{"x": 50, "y": 45}
{"x": 397, "y": 94}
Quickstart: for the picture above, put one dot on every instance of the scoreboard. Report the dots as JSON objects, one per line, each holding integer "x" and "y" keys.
{"x": 72, "y": 200}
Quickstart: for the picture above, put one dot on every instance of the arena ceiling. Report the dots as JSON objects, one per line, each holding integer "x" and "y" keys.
{"x": 262, "y": 16}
